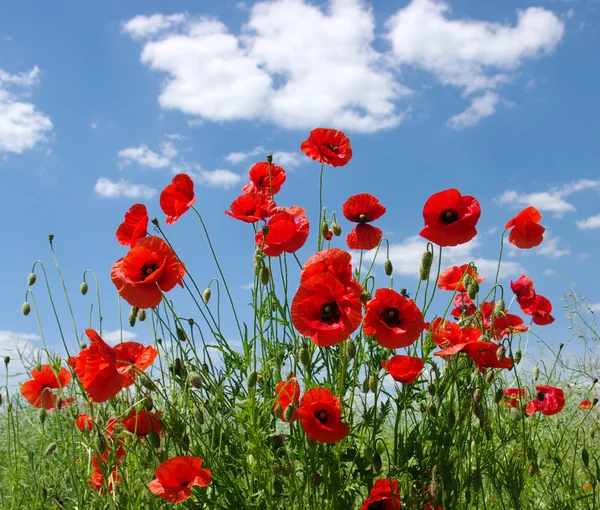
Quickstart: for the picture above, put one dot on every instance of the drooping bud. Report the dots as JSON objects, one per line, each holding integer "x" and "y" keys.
{"x": 585, "y": 457}
{"x": 373, "y": 384}
{"x": 388, "y": 268}
{"x": 50, "y": 449}
{"x": 518, "y": 356}
{"x": 206, "y": 295}
{"x": 501, "y": 353}
{"x": 100, "y": 442}
{"x": 26, "y": 308}
{"x": 195, "y": 380}
{"x": 499, "y": 308}
{"x": 252, "y": 378}
{"x": 148, "y": 383}
{"x": 477, "y": 396}
{"x": 365, "y": 386}
{"x": 499, "y": 395}
{"x": 431, "y": 389}
{"x": 141, "y": 315}
{"x": 154, "y": 439}
{"x": 489, "y": 377}
{"x": 132, "y": 317}
{"x": 324, "y": 229}
{"x": 350, "y": 349}
{"x": 289, "y": 413}
{"x": 83, "y": 288}
{"x": 6, "y": 360}
{"x": 473, "y": 288}
{"x": 265, "y": 275}
{"x": 304, "y": 356}
{"x": 148, "y": 403}
{"x": 376, "y": 462}
{"x": 42, "y": 415}
{"x": 336, "y": 228}
{"x": 31, "y": 279}
{"x": 365, "y": 297}
{"x": 426, "y": 261}
{"x": 536, "y": 373}
{"x": 403, "y": 293}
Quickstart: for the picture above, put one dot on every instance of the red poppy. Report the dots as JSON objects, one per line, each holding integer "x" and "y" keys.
{"x": 540, "y": 311}
{"x": 327, "y": 146}
{"x": 175, "y": 477}
{"x": 295, "y": 210}
{"x": 141, "y": 423}
{"x": 84, "y": 422}
{"x": 326, "y": 309}
{"x": 484, "y": 354}
{"x": 523, "y": 289}
{"x": 135, "y": 225}
{"x": 113, "y": 440}
{"x": 451, "y": 278}
{"x": 150, "y": 267}
{"x": 526, "y": 231}
{"x": 287, "y": 393}
{"x": 586, "y": 404}
{"x": 65, "y": 402}
{"x": 177, "y": 197}
{"x": 450, "y": 218}
{"x": 404, "y": 369}
{"x": 451, "y": 337}
{"x": 513, "y": 396}
{"x": 549, "y": 400}
{"x": 333, "y": 261}
{"x": 97, "y": 481}
{"x": 285, "y": 234}
{"x": 320, "y": 416}
{"x": 328, "y": 236}
{"x": 385, "y": 495}
{"x": 265, "y": 178}
{"x": 507, "y": 324}
{"x": 38, "y": 391}
{"x": 394, "y": 320}
{"x": 362, "y": 209}
{"x": 251, "y": 207}
{"x": 133, "y": 353}
{"x": 463, "y": 305}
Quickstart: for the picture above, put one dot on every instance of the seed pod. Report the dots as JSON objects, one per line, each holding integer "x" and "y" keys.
{"x": 585, "y": 457}
{"x": 536, "y": 373}
{"x": 83, "y": 288}
{"x": 365, "y": 297}
{"x": 477, "y": 396}
{"x": 426, "y": 261}
{"x": 350, "y": 349}
{"x": 252, "y": 378}
{"x": 100, "y": 442}
{"x": 304, "y": 356}
{"x": 388, "y": 268}
{"x": 499, "y": 395}
{"x": 376, "y": 462}
{"x": 289, "y": 413}
{"x": 154, "y": 439}
{"x": 181, "y": 334}
{"x": 499, "y": 308}
{"x": 373, "y": 384}
{"x": 31, "y": 279}
{"x": 195, "y": 380}
{"x": 265, "y": 275}
{"x": 141, "y": 315}
{"x": 501, "y": 353}
{"x": 489, "y": 377}
{"x": 432, "y": 409}
{"x": 336, "y": 229}
{"x": 50, "y": 449}
{"x": 473, "y": 288}
{"x": 431, "y": 389}
{"x": 26, "y": 308}
{"x": 518, "y": 356}
{"x": 365, "y": 386}
{"x": 42, "y": 415}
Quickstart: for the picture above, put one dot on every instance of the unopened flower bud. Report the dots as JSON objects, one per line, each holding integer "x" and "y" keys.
{"x": 585, "y": 457}
{"x": 50, "y": 449}
{"x": 373, "y": 384}
{"x": 365, "y": 386}
{"x": 265, "y": 275}
{"x": 518, "y": 356}
{"x": 154, "y": 439}
{"x": 148, "y": 383}
{"x": 26, "y": 308}
{"x": 50, "y": 237}
{"x": 477, "y": 396}
{"x": 336, "y": 229}
{"x": 289, "y": 413}
{"x": 501, "y": 353}
{"x": 473, "y": 288}
{"x": 388, "y": 268}
{"x": 252, "y": 378}
{"x": 432, "y": 409}
{"x": 269, "y": 158}
{"x": 365, "y": 297}
{"x": 141, "y": 315}
{"x": 376, "y": 462}
{"x": 148, "y": 403}
{"x": 489, "y": 377}
{"x": 324, "y": 229}
{"x": 304, "y": 356}
{"x": 31, "y": 279}
{"x": 265, "y": 230}
{"x": 499, "y": 308}
{"x": 42, "y": 415}
{"x": 431, "y": 389}
{"x": 403, "y": 293}
{"x": 83, "y": 288}
{"x": 536, "y": 373}
{"x": 206, "y": 295}
{"x": 350, "y": 349}
{"x": 6, "y": 360}
{"x": 181, "y": 334}
{"x": 426, "y": 261}
{"x": 132, "y": 318}
{"x": 100, "y": 442}
{"x": 195, "y": 380}
{"x": 499, "y": 395}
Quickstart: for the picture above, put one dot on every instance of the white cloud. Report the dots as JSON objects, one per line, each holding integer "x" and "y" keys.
{"x": 288, "y": 160}
{"x": 589, "y": 223}
{"x": 238, "y": 157}
{"x": 144, "y": 157}
{"x": 168, "y": 150}
{"x": 247, "y": 286}
{"x": 106, "y": 188}
{"x": 481, "y": 107}
{"x": 142, "y": 27}
{"x": 595, "y": 307}
{"x": 550, "y": 272}
{"x": 550, "y": 247}
{"x": 218, "y": 178}
{"x": 114, "y": 337}
{"x": 22, "y": 125}
{"x": 23, "y": 349}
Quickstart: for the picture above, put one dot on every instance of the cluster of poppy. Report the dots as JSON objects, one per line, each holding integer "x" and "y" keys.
{"x": 549, "y": 400}
{"x": 535, "y": 305}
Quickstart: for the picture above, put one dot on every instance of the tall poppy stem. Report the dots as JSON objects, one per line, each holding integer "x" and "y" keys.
{"x": 319, "y": 234}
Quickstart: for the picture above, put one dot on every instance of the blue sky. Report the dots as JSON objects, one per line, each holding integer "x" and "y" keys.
{"x": 101, "y": 105}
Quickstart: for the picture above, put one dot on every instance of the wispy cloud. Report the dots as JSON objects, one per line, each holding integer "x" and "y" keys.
{"x": 481, "y": 107}
{"x": 589, "y": 223}
{"x": 218, "y": 178}
{"x": 105, "y": 188}
{"x": 144, "y": 157}
{"x": 114, "y": 337}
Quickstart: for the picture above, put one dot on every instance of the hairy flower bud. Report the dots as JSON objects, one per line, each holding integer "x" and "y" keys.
{"x": 426, "y": 261}
{"x": 432, "y": 409}
{"x": 141, "y": 315}
{"x": 42, "y": 415}
{"x": 252, "y": 378}
{"x": 206, "y": 295}
{"x": 365, "y": 297}
{"x": 350, "y": 349}
{"x": 477, "y": 396}
{"x": 100, "y": 442}
{"x": 518, "y": 356}
{"x": 532, "y": 469}
{"x": 473, "y": 288}
{"x": 536, "y": 373}
{"x": 388, "y": 268}
{"x": 376, "y": 462}
{"x": 265, "y": 275}
{"x": 336, "y": 229}
{"x": 499, "y": 395}
{"x": 585, "y": 457}
{"x": 83, "y": 288}
{"x": 154, "y": 439}
{"x": 31, "y": 279}
{"x": 132, "y": 318}
{"x": 324, "y": 229}
{"x": 289, "y": 413}
{"x": 489, "y": 377}
{"x": 365, "y": 386}
{"x": 431, "y": 389}
{"x": 373, "y": 383}
{"x": 26, "y": 308}
{"x": 304, "y": 356}
{"x": 50, "y": 449}
{"x": 499, "y": 308}
{"x": 501, "y": 353}
{"x": 195, "y": 380}
{"x": 6, "y": 360}
{"x": 148, "y": 403}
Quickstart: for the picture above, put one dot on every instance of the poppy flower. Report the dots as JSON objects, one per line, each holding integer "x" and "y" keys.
{"x": 526, "y": 231}
{"x": 265, "y": 178}
{"x": 131, "y": 358}
{"x": 251, "y": 207}
{"x": 499, "y": 327}
{"x": 451, "y": 278}
{"x": 326, "y": 309}
{"x": 287, "y": 393}
{"x": 540, "y": 311}
{"x": 177, "y": 197}
{"x": 285, "y": 234}
{"x": 404, "y": 369}
{"x": 523, "y": 289}
{"x": 114, "y": 443}
{"x": 328, "y": 146}
{"x": 320, "y": 416}
{"x": 451, "y": 337}
{"x": 385, "y": 495}
{"x": 512, "y": 396}
{"x": 175, "y": 477}
{"x": 65, "y": 402}
{"x": 394, "y": 320}
{"x": 549, "y": 400}
{"x": 484, "y": 354}
{"x": 586, "y": 404}
{"x": 150, "y": 267}
{"x": 38, "y": 391}
{"x": 141, "y": 423}
{"x": 84, "y": 422}
{"x": 97, "y": 481}
{"x": 450, "y": 218}
{"x": 362, "y": 209}
{"x": 295, "y": 210}
{"x": 334, "y": 261}
{"x": 328, "y": 236}
{"x": 463, "y": 304}
{"x": 135, "y": 225}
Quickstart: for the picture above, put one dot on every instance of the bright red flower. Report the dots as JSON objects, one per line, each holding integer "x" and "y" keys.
{"x": 394, "y": 320}
{"x": 97, "y": 481}
{"x": 141, "y": 423}
{"x": 451, "y": 337}
{"x": 507, "y": 324}
{"x": 320, "y": 416}
{"x": 404, "y": 369}
{"x": 334, "y": 261}
{"x": 265, "y": 178}
{"x": 463, "y": 304}
{"x": 549, "y": 400}
{"x": 285, "y": 234}
{"x": 526, "y": 231}
{"x": 362, "y": 209}
{"x": 38, "y": 391}
{"x": 385, "y": 495}
{"x": 84, "y": 422}
{"x": 450, "y": 218}
{"x": 523, "y": 288}
{"x": 328, "y": 236}
{"x": 326, "y": 309}
{"x": 135, "y": 225}
{"x": 540, "y": 311}
{"x": 327, "y": 146}
{"x": 484, "y": 354}
{"x": 513, "y": 396}
{"x": 586, "y": 404}
{"x": 175, "y": 477}
{"x": 150, "y": 267}
{"x": 133, "y": 353}
{"x": 252, "y": 207}
{"x": 287, "y": 393}
{"x": 450, "y": 279}
{"x": 295, "y": 210}
{"x": 177, "y": 198}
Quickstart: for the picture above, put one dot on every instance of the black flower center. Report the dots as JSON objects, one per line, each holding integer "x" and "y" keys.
{"x": 540, "y": 395}
{"x": 330, "y": 313}
{"x": 449, "y": 216}
{"x": 378, "y": 505}
{"x": 322, "y": 416}
{"x": 263, "y": 181}
{"x": 148, "y": 269}
{"x": 391, "y": 316}
{"x": 184, "y": 484}
{"x": 333, "y": 148}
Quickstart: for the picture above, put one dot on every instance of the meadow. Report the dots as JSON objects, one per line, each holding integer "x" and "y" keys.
{"x": 342, "y": 392}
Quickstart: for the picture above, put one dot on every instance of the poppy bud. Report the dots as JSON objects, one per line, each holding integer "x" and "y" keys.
{"x": 560, "y": 346}
{"x": 373, "y": 383}
{"x": 365, "y": 297}
{"x": 376, "y": 462}
{"x": 536, "y": 373}
{"x": 141, "y": 315}
{"x": 477, "y": 396}
{"x": 206, "y": 295}
{"x": 350, "y": 349}
{"x": 265, "y": 230}
{"x": 31, "y": 279}
{"x": 148, "y": 403}
{"x": 426, "y": 261}
{"x": 532, "y": 469}
{"x": 132, "y": 317}
{"x": 26, "y": 308}
{"x": 42, "y": 415}
{"x": 431, "y": 389}
{"x": 50, "y": 237}
{"x": 315, "y": 478}
{"x": 499, "y": 395}
{"x": 518, "y": 356}
{"x": 499, "y": 308}
{"x": 199, "y": 415}
{"x": 432, "y": 409}
{"x": 252, "y": 378}
{"x": 585, "y": 457}
{"x": 154, "y": 439}
{"x": 501, "y": 353}
{"x": 59, "y": 403}
{"x": 195, "y": 380}
{"x": 365, "y": 386}
{"x": 6, "y": 360}
{"x": 336, "y": 228}
{"x": 594, "y": 381}
{"x": 473, "y": 288}
{"x": 489, "y": 377}
{"x": 50, "y": 449}
{"x": 304, "y": 357}
{"x": 515, "y": 413}
{"x": 148, "y": 383}
{"x": 265, "y": 275}
{"x": 324, "y": 229}
{"x": 388, "y": 268}
{"x": 289, "y": 413}
{"x": 100, "y": 442}
{"x": 83, "y": 288}
{"x": 181, "y": 334}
